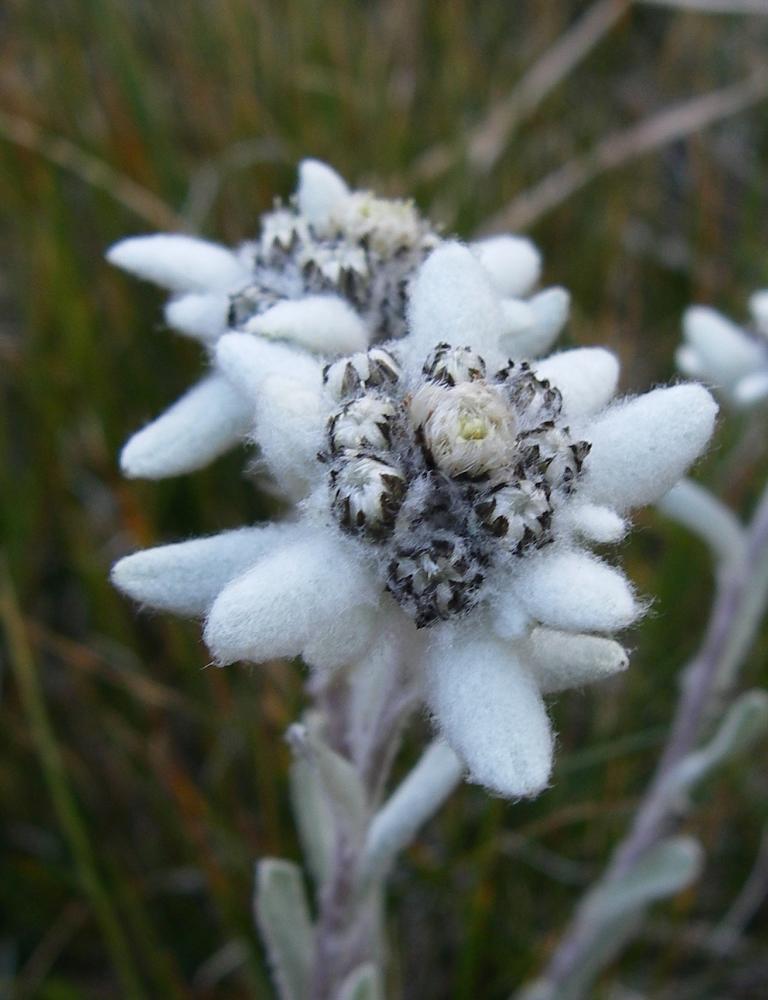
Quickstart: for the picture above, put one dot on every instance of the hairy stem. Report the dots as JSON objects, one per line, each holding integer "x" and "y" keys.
{"x": 740, "y": 598}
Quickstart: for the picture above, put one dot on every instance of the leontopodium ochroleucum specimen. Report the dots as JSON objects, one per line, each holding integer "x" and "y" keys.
{"x": 450, "y": 497}
{"x": 329, "y": 275}
{"x": 732, "y": 359}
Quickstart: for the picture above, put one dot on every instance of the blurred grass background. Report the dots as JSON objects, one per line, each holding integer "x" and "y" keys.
{"x": 138, "y": 787}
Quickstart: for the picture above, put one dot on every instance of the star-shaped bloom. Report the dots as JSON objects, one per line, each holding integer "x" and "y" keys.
{"x": 450, "y": 496}
{"x": 329, "y": 275}
{"x": 731, "y": 358}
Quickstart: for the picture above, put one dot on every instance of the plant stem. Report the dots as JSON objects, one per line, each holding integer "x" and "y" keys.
{"x": 740, "y": 599}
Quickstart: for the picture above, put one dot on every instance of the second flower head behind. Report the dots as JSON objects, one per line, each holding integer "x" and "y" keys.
{"x": 328, "y": 274}
{"x": 450, "y": 497}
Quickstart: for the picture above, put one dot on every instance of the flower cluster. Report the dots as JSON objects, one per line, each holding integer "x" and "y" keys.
{"x": 448, "y": 488}
{"x": 328, "y": 274}
{"x": 731, "y": 358}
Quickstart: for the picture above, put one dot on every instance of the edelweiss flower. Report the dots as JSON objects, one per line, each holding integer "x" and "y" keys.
{"x": 731, "y": 358}
{"x": 329, "y": 275}
{"x": 450, "y": 496}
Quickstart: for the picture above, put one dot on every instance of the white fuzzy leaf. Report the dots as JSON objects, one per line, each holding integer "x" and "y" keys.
{"x": 641, "y": 447}
{"x": 490, "y": 711}
{"x": 292, "y": 598}
{"x": 202, "y": 315}
{"x": 180, "y": 263}
{"x": 453, "y": 301}
{"x": 282, "y": 913}
{"x": 576, "y": 592}
{"x": 323, "y": 324}
{"x": 185, "y": 578}
{"x": 207, "y": 421}
{"x": 563, "y": 660}
{"x": 320, "y": 191}
{"x": 724, "y": 350}
{"x": 758, "y": 307}
{"x": 586, "y": 377}
{"x": 513, "y": 263}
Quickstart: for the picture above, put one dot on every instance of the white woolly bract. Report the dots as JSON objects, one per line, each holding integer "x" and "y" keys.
{"x": 207, "y": 421}
{"x": 202, "y": 315}
{"x": 179, "y": 263}
{"x": 724, "y": 351}
{"x": 563, "y": 660}
{"x": 593, "y": 522}
{"x": 513, "y": 263}
{"x": 586, "y": 378}
{"x": 489, "y": 709}
{"x": 293, "y": 598}
{"x": 575, "y": 591}
{"x": 186, "y": 577}
{"x": 642, "y": 446}
{"x": 320, "y": 323}
{"x": 531, "y": 327}
{"x": 453, "y": 302}
{"x": 752, "y": 388}
{"x": 320, "y": 191}
{"x": 758, "y": 307}
{"x": 247, "y": 361}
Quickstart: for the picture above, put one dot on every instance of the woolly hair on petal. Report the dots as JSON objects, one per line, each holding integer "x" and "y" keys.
{"x": 290, "y": 428}
{"x": 532, "y": 327}
{"x": 185, "y": 578}
{"x": 206, "y": 422}
{"x": 489, "y": 709}
{"x": 322, "y": 324}
{"x": 591, "y": 521}
{"x": 586, "y": 378}
{"x": 752, "y": 388}
{"x": 321, "y": 190}
{"x": 726, "y": 351}
{"x": 575, "y": 591}
{"x": 758, "y": 307}
{"x": 294, "y": 597}
{"x": 513, "y": 262}
{"x": 453, "y": 301}
{"x": 642, "y": 446}
{"x": 180, "y": 263}
{"x": 563, "y": 660}
{"x": 202, "y": 315}
{"x": 248, "y": 361}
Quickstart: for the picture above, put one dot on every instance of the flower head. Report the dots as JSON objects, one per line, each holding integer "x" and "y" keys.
{"x": 731, "y": 358}
{"x": 451, "y": 492}
{"x": 329, "y": 275}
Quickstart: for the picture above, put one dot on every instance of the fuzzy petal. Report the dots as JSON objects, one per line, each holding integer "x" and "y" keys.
{"x": 576, "y": 592}
{"x": 595, "y": 523}
{"x": 320, "y": 191}
{"x": 758, "y": 306}
{"x": 185, "y": 578}
{"x": 642, "y": 446}
{"x": 200, "y": 315}
{"x": 563, "y": 660}
{"x": 752, "y": 388}
{"x": 322, "y": 324}
{"x": 295, "y": 597}
{"x": 489, "y": 709}
{"x": 452, "y": 300}
{"x": 586, "y": 377}
{"x": 181, "y": 263}
{"x": 247, "y": 361}
{"x": 726, "y": 353}
{"x": 513, "y": 262}
{"x": 207, "y": 421}
{"x": 290, "y": 427}
{"x": 532, "y": 327}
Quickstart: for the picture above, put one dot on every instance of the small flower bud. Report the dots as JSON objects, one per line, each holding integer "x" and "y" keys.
{"x": 451, "y": 365}
{"x": 366, "y": 494}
